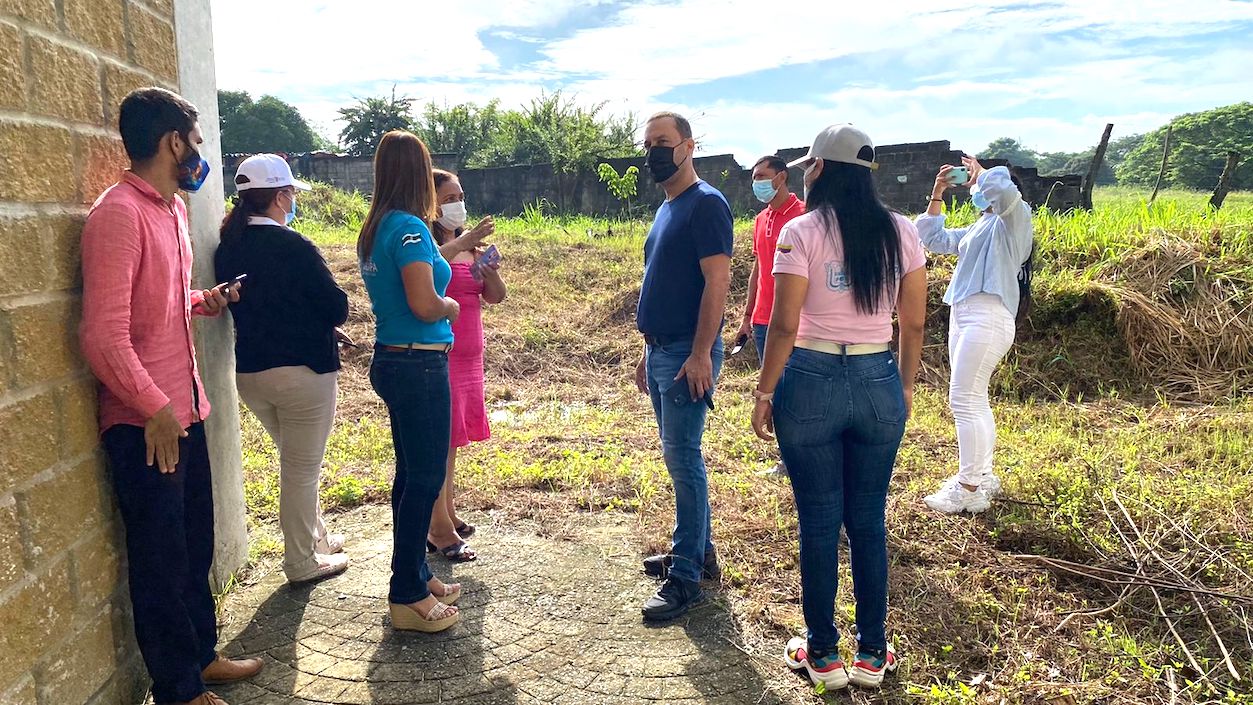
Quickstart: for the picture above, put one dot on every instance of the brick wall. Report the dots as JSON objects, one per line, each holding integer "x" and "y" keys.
{"x": 64, "y": 67}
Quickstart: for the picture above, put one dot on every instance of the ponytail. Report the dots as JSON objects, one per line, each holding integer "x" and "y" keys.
{"x": 245, "y": 204}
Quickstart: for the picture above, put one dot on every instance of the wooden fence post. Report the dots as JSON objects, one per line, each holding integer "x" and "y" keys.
{"x": 1224, "y": 181}
{"x": 1162, "y": 172}
{"x": 1085, "y": 192}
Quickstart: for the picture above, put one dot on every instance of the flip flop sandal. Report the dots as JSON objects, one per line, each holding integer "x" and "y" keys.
{"x": 459, "y": 552}
{"x": 465, "y": 530}
{"x": 441, "y": 617}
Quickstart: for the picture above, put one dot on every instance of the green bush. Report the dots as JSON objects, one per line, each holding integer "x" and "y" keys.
{"x": 331, "y": 207}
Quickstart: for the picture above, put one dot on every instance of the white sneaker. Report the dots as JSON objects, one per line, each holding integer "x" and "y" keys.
{"x": 330, "y": 544}
{"x": 992, "y": 486}
{"x": 327, "y": 566}
{"x": 952, "y": 498}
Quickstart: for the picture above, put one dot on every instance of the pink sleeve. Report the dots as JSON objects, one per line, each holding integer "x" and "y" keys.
{"x": 111, "y": 251}
{"x": 912, "y": 255}
{"x": 790, "y": 256}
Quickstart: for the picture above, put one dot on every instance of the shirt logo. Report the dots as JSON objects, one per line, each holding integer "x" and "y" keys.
{"x": 411, "y": 239}
{"x": 369, "y": 267}
{"x": 783, "y": 247}
{"x": 837, "y": 279}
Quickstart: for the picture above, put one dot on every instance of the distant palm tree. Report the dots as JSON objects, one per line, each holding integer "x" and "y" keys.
{"x": 371, "y": 118}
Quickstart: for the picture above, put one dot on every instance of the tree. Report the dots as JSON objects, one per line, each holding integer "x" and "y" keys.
{"x": 1200, "y": 145}
{"x": 464, "y": 130}
{"x": 266, "y": 125}
{"x": 1010, "y": 149}
{"x": 371, "y": 118}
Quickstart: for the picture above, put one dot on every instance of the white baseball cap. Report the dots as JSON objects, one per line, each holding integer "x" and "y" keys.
{"x": 841, "y": 143}
{"x": 266, "y": 171}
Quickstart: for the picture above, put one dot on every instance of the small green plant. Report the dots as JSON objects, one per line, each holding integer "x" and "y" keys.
{"x": 621, "y": 187}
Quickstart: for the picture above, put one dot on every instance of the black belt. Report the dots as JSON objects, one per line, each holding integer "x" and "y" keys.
{"x": 664, "y": 340}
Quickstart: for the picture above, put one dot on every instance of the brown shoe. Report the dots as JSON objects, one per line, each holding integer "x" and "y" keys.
{"x": 206, "y": 698}
{"x": 224, "y": 670}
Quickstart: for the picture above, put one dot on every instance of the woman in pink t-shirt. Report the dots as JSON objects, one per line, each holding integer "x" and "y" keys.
{"x": 836, "y": 396}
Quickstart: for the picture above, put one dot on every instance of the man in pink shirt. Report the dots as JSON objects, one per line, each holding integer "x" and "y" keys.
{"x": 770, "y": 187}
{"x": 136, "y": 335}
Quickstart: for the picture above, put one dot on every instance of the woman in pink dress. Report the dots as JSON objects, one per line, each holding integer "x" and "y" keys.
{"x": 471, "y": 286}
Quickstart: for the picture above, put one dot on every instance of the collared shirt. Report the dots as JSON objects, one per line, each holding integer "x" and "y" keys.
{"x": 400, "y": 240}
{"x": 137, "y": 306}
{"x": 991, "y": 252}
{"x": 766, "y": 228}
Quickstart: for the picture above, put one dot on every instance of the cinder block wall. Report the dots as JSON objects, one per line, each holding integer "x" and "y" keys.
{"x": 65, "y": 629}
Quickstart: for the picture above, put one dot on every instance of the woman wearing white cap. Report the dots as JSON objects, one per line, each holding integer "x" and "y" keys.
{"x": 836, "y": 396}
{"x": 990, "y": 283}
{"x": 286, "y": 350}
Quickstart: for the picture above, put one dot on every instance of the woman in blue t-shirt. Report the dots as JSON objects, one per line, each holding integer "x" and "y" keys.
{"x": 406, "y": 278}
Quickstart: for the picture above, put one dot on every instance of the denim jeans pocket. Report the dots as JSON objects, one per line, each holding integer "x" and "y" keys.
{"x": 887, "y": 396}
{"x": 803, "y": 396}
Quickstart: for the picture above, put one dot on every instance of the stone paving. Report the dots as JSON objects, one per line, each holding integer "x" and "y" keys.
{"x": 542, "y": 621}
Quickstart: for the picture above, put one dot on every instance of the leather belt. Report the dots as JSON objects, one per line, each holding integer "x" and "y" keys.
{"x": 823, "y": 346}
{"x": 437, "y": 347}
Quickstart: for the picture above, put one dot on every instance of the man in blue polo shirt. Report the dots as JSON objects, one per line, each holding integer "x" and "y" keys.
{"x": 687, "y": 272}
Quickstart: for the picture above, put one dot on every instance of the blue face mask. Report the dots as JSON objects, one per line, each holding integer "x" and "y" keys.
{"x": 291, "y": 215}
{"x": 192, "y": 172}
{"x": 981, "y": 202}
{"x": 764, "y": 190}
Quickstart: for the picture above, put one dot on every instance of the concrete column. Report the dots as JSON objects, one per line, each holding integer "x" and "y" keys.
{"x": 193, "y": 25}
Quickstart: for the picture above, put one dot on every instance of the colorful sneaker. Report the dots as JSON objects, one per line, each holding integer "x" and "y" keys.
{"x": 828, "y": 670}
{"x": 952, "y": 498}
{"x": 868, "y": 670}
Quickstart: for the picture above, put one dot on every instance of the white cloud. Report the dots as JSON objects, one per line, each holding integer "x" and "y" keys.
{"x": 975, "y": 71}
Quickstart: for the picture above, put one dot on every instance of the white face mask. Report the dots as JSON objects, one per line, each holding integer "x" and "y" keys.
{"x": 454, "y": 215}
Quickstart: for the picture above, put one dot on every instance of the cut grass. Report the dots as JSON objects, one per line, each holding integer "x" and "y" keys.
{"x": 571, "y": 436}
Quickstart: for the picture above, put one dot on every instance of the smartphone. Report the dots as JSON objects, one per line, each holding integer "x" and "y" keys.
{"x": 489, "y": 257}
{"x": 739, "y": 343}
{"x": 958, "y": 176}
{"x": 680, "y": 394}
{"x": 234, "y": 282}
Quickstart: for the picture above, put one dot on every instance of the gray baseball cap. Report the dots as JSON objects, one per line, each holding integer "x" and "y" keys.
{"x": 841, "y": 143}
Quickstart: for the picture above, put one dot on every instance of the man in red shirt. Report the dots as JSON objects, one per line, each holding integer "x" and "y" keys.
{"x": 770, "y": 187}
{"x": 136, "y": 335}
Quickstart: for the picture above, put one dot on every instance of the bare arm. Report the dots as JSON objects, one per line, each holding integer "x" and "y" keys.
{"x": 911, "y": 313}
{"x": 789, "y": 296}
{"x": 713, "y": 303}
{"x": 493, "y": 286}
{"x": 424, "y": 301}
{"x": 751, "y": 304}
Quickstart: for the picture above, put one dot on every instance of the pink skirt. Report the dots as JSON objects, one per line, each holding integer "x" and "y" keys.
{"x": 465, "y": 361}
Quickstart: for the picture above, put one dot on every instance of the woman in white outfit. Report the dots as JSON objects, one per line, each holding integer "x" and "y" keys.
{"x": 993, "y": 261}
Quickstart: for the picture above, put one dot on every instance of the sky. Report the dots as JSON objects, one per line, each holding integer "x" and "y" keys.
{"x": 755, "y": 77}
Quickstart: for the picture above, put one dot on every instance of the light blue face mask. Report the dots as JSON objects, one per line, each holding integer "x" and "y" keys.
{"x": 287, "y": 219}
{"x": 764, "y": 190}
{"x": 981, "y": 202}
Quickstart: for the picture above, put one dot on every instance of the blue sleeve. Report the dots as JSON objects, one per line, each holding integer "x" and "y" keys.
{"x": 937, "y": 238}
{"x": 712, "y": 227}
{"x": 413, "y": 242}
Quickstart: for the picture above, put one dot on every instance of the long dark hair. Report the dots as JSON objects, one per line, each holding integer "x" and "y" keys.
{"x": 254, "y": 201}
{"x": 402, "y": 182}
{"x": 845, "y": 194}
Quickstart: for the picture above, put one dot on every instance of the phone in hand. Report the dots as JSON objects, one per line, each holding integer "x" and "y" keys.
{"x": 678, "y": 393}
{"x": 490, "y": 257}
{"x": 234, "y": 283}
{"x": 958, "y": 175}
{"x": 739, "y": 343}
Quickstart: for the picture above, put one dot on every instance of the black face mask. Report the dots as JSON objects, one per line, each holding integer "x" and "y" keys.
{"x": 660, "y": 162}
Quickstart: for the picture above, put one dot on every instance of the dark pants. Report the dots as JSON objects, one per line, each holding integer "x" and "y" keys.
{"x": 759, "y": 339}
{"x": 169, "y": 546}
{"x": 840, "y": 420}
{"x": 414, "y": 386}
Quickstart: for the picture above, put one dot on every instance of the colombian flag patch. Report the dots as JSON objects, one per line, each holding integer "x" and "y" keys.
{"x": 783, "y": 247}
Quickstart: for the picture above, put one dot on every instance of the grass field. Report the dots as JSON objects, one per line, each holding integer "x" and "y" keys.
{"x": 1116, "y": 455}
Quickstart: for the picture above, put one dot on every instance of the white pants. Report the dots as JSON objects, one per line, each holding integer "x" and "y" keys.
{"x": 297, "y": 407}
{"x": 981, "y": 331}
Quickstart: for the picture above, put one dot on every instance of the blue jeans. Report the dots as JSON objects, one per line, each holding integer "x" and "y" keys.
{"x": 759, "y": 339}
{"x": 169, "y": 548}
{"x": 681, "y": 425}
{"x": 839, "y": 420}
{"x": 414, "y": 386}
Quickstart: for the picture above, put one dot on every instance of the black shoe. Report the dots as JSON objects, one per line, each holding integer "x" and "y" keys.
{"x": 673, "y": 600}
{"x": 659, "y": 566}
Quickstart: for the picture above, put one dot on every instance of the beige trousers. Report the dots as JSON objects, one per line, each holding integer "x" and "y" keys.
{"x": 297, "y": 407}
